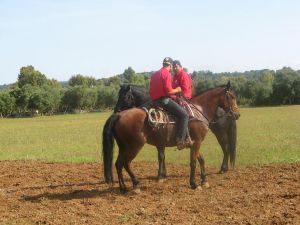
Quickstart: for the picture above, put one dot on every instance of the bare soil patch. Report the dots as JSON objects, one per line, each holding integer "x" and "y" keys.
{"x": 54, "y": 193}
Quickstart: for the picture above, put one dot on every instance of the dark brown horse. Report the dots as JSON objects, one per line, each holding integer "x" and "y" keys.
{"x": 131, "y": 131}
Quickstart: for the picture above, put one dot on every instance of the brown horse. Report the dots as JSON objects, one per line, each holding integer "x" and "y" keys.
{"x": 131, "y": 131}
{"x": 223, "y": 126}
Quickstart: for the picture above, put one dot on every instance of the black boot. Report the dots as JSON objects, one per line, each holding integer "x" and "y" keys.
{"x": 180, "y": 144}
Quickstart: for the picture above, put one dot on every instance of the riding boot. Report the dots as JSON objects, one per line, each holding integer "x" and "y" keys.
{"x": 180, "y": 144}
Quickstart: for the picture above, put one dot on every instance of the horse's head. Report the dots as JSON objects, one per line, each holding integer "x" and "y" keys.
{"x": 229, "y": 102}
{"x": 125, "y": 99}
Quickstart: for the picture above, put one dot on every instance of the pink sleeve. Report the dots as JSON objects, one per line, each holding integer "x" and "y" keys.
{"x": 185, "y": 82}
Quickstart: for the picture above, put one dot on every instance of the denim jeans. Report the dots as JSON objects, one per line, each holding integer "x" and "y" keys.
{"x": 173, "y": 108}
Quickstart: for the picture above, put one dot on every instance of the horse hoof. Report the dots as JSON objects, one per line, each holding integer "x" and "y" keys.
{"x": 123, "y": 191}
{"x": 161, "y": 180}
{"x": 223, "y": 171}
{"x": 206, "y": 185}
{"x": 198, "y": 188}
{"x": 137, "y": 190}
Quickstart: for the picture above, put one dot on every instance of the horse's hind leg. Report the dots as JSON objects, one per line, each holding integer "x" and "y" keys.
{"x": 119, "y": 166}
{"x": 130, "y": 153}
{"x": 134, "y": 179}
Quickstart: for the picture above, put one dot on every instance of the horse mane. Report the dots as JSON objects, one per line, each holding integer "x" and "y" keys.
{"x": 140, "y": 90}
{"x": 140, "y": 87}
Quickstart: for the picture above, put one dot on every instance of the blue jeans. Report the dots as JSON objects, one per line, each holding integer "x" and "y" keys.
{"x": 173, "y": 108}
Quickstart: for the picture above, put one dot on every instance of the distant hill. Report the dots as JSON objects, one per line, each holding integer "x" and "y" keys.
{"x": 4, "y": 86}
{"x": 64, "y": 83}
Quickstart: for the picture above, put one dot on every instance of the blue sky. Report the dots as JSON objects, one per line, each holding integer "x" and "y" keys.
{"x": 61, "y": 38}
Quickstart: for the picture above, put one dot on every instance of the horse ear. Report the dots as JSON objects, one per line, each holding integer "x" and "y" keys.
{"x": 228, "y": 86}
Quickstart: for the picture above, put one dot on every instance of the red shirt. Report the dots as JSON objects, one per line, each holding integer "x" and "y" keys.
{"x": 183, "y": 80}
{"x": 160, "y": 84}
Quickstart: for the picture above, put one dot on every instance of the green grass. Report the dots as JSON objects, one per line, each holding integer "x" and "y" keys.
{"x": 265, "y": 135}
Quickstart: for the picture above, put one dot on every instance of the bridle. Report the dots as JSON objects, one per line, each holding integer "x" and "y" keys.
{"x": 229, "y": 96}
{"x": 129, "y": 97}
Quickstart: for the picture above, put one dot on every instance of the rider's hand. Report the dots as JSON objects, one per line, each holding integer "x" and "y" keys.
{"x": 179, "y": 89}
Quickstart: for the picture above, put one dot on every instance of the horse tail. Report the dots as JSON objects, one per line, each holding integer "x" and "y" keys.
{"x": 108, "y": 147}
{"x": 232, "y": 142}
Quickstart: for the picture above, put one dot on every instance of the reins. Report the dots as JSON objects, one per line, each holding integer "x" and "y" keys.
{"x": 196, "y": 108}
{"x": 228, "y": 114}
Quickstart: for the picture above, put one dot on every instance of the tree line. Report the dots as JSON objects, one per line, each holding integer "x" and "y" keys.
{"x": 33, "y": 93}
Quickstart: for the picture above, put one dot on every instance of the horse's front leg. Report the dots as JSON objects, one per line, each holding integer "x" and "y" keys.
{"x": 193, "y": 159}
{"x": 134, "y": 179}
{"x": 162, "y": 172}
{"x": 224, "y": 166}
{"x": 203, "y": 171}
{"x": 224, "y": 142}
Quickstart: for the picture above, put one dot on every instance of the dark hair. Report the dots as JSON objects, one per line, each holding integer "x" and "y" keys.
{"x": 176, "y": 62}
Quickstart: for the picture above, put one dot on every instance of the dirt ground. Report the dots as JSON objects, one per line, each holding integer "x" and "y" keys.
{"x": 50, "y": 193}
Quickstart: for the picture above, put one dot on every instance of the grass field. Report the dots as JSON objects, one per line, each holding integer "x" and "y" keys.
{"x": 265, "y": 135}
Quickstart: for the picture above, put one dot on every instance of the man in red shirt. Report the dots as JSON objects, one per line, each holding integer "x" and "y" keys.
{"x": 182, "y": 79}
{"x": 161, "y": 91}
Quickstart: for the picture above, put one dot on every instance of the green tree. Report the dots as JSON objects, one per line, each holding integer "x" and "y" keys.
{"x": 73, "y": 98}
{"x": 29, "y": 76}
{"x": 89, "y": 99}
{"x": 296, "y": 87}
{"x": 283, "y": 91}
{"x": 264, "y": 88}
{"x": 115, "y": 80}
{"x": 22, "y": 96}
{"x": 107, "y": 96}
{"x": 130, "y": 77}
{"x": 80, "y": 80}
{"x": 45, "y": 99}
{"x": 7, "y": 104}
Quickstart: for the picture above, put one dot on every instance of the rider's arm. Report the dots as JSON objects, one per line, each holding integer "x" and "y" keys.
{"x": 175, "y": 91}
{"x": 167, "y": 79}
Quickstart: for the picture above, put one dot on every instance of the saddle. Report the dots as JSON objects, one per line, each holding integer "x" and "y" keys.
{"x": 159, "y": 117}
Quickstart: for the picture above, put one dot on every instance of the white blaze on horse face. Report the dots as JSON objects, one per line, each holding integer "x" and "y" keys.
{"x": 234, "y": 106}
{"x": 233, "y": 103}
